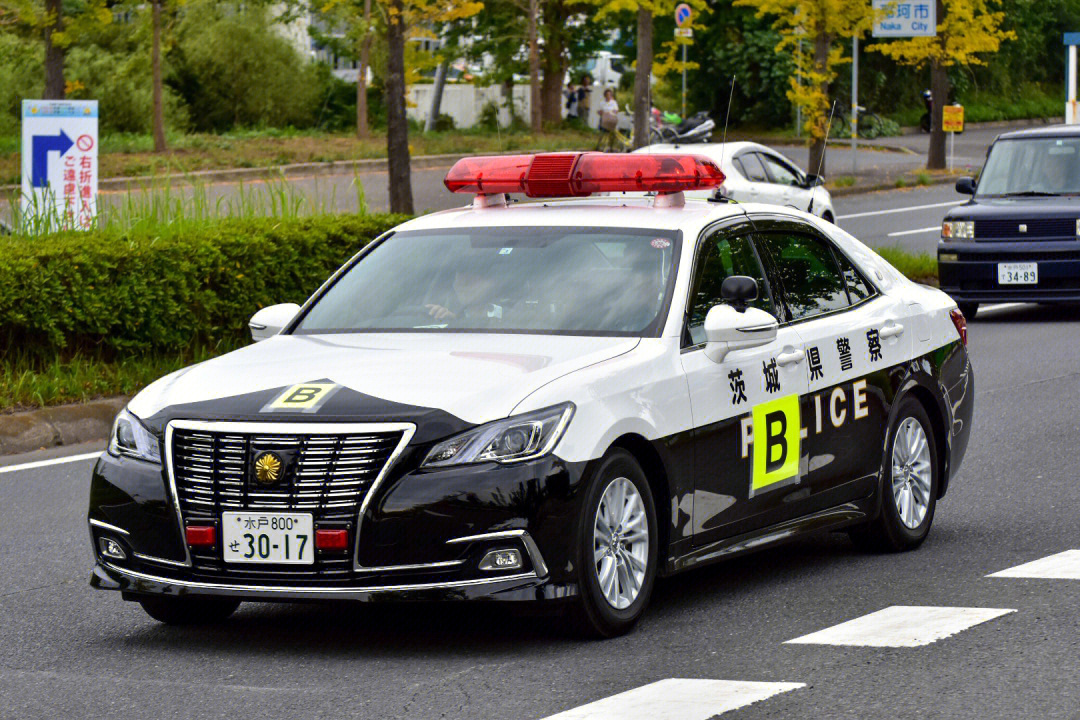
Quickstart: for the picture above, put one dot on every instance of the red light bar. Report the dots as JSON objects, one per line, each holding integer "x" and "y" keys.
{"x": 332, "y": 539}
{"x": 200, "y": 535}
{"x": 579, "y": 174}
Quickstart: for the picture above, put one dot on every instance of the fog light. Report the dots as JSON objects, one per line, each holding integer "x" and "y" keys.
{"x": 200, "y": 535}
{"x": 948, "y": 257}
{"x": 501, "y": 560}
{"x": 111, "y": 549}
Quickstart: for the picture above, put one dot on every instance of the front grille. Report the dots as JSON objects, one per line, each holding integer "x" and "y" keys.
{"x": 327, "y": 475}
{"x": 1040, "y": 228}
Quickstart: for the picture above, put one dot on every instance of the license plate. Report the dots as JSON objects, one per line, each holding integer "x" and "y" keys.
{"x": 273, "y": 538}
{"x": 1018, "y": 273}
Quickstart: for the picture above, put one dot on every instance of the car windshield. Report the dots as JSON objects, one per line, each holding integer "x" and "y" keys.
{"x": 1032, "y": 166}
{"x": 559, "y": 280}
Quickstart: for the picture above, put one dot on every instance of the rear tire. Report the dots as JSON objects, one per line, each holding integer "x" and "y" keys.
{"x": 909, "y": 484}
{"x": 618, "y": 515}
{"x": 828, "y": 217}
{"x": 188, "y": 610}
{"x": 969, "y": 309}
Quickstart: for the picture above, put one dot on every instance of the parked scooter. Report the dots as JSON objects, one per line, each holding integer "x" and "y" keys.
{"x": 695, "y": 129}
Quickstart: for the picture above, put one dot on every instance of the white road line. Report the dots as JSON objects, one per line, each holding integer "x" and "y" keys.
{"x": 899, "y": 210}
{"x": 1062, "y": 566}
{"x": 46, "y": 463}
{"x": 934, "y": 228}
{"x": 678, "y": 699}
{"x": 902, "y": 626}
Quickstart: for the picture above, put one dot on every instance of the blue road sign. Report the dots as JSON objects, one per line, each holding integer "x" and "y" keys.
{"x": 42, "y": 146}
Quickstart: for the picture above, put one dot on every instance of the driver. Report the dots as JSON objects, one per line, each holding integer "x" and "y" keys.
{"x": 471, "y": 295}
{"x": 1054, "y": 176}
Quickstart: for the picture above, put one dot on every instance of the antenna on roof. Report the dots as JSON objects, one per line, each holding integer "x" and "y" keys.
{"x": 821, "y": 159}
{"x": 723, "y": 143}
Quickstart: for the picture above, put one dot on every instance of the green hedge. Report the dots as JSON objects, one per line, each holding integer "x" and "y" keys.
{"x": 168, "y": 288}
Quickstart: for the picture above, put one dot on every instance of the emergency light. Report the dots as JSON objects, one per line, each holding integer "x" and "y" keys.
{"x": 580, "y": 174}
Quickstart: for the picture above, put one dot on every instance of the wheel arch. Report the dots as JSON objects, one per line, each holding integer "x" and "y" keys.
{"x": 656, "y": 473}
{"x": 936, "y": 412}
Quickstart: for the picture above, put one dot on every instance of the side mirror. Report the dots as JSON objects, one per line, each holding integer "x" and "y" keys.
{"x": 728, "y": 329}
{"x": 269, "y": 321}
{"x": 813, "y": 181}
{"x": 965, "y": 186}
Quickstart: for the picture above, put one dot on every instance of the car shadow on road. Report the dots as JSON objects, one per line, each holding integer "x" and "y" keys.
{"x": 376, "y": 630}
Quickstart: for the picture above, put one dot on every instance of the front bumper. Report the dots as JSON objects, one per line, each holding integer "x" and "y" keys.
{"x": 421, "y": 538}
{"x": 972, "y": 275}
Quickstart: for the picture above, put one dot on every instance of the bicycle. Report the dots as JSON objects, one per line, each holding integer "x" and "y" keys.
{"x": 870, "y": 124}
{"x": 615, "y": 141}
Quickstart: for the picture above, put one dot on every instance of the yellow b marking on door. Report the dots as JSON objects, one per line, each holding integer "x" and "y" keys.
{"x": 777, "y": 428}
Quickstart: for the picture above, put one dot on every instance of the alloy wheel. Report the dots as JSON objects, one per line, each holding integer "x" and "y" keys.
{"x": 912, "y": 474}
{"x": 621, "y": 543}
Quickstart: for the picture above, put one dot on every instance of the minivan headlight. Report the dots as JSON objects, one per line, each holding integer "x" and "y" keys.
{"x": 958, "y": 230}
{"x": 130, "y": 438}
{"x": 518, "y": 438}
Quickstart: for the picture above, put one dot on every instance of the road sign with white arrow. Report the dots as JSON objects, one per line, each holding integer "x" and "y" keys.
{"x": 59, "y": 162}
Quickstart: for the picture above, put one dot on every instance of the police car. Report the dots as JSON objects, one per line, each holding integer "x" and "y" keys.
{"x": 557, "y": 401}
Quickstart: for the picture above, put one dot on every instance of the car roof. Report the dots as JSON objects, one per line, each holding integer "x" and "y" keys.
{"x": 713, "y": 151}
{"x": 597, "y": 211}
{"x": 1043, "y": 131}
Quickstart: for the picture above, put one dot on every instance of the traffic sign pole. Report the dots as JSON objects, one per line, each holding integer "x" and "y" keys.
{"x": 683, "y": 13}
{"x": 855, "y": 106}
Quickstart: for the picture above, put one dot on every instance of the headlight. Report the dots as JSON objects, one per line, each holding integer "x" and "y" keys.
{"x": 958, "y": 230}
{"x": 131, "y": 438}
{"x": 522, "y": 437}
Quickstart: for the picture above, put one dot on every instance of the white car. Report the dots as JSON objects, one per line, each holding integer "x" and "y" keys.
{"x": 755, "y": 173}
{"x": 556, "y": 401}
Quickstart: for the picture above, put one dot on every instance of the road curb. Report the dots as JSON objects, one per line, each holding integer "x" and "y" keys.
{"x": 889, "y": 185}
{"x": 32, "y": 430}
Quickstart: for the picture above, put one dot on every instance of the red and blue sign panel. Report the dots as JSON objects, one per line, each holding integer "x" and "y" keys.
{"x": 682, "y": 14}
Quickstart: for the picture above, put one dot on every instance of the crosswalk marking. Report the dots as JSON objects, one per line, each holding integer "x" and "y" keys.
{"x": 678, "y": 699}
{"x": 1062, "y": 566}
{"x": 902, "y": 626}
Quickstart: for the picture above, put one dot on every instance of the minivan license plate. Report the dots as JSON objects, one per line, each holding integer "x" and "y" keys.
{"x": 272, "y": 538}
{"x": 1018, "y": 273}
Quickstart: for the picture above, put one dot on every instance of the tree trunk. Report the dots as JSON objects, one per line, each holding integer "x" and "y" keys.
{"x": 397, "y": 124}
{"x": 361, "y": 76}
{"x": 553, "y": 60}
{"x": 939, "y": 95}
{"x": 536, "y": 116}
{"x": 159, "y": 112}
{"x": 817, "y": 145}
{"x": 55, "y": 87}
{"x": 642, "y": 71}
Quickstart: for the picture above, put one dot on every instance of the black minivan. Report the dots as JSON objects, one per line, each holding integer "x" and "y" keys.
{"x": 1018, "y": 238}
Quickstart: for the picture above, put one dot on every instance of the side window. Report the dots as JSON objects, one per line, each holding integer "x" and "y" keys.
{"x": 739, "y": 166}
{"x": 858, "y": 289}
{"x": 721, "y": 256}
{"x": 807, "y": 271}
{"x": 780, "y": 173}
{"x": 754, "y": 171}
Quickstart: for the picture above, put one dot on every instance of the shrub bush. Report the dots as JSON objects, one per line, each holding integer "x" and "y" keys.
{"x": 168, "y": 288}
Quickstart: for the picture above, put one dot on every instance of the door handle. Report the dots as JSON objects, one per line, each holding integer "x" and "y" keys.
{"x": 891, "y": 330}
{"x": 788, "y": 358}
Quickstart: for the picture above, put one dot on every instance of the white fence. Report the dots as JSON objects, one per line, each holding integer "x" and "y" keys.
{"x": 465, "y": 102}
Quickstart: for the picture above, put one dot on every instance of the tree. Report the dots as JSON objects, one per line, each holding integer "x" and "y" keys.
{"x": 965, "y": 29}
{"x": 820, "y": 24}
{"x": 159, "y": 111}
{"x": 58, "y": 30}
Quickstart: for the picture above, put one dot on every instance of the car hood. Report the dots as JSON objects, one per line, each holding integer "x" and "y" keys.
{"x": 442, "y": 382}
{"x": 1016, "y": 207}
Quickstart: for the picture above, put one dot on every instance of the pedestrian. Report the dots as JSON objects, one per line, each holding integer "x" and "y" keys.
{"x": 571, "y": 102}
{"x": 609, "y": 120}
{"x": 585, "y": 98}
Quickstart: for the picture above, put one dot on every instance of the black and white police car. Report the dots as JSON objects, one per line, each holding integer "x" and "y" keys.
{"x": 557, "y": 401}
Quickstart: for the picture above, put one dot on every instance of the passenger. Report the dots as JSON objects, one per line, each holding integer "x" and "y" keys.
{"x": 470, "y": 298}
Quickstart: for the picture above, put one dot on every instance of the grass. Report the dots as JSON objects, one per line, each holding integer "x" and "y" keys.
{"x": 126, "y": 155}
{"x": 844, "y": 181}
{"x": 27, "y": 382}
{"x": 920, "y": 267}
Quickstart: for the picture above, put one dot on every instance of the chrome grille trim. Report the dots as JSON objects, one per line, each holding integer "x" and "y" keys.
{"x": 235, "y": 433}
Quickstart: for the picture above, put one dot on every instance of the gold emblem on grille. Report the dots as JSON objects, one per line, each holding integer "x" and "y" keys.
{"x": 267, "y": 468}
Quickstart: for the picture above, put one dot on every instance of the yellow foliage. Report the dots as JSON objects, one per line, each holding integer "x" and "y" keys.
{"x": 808, "y": 20}
{"x": 968, "y": 28}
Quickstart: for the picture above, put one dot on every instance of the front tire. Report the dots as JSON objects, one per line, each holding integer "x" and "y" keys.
{"x": 618, "y": 547}
{"x": 909, "y": 487}
{"x": 188, "y": 610}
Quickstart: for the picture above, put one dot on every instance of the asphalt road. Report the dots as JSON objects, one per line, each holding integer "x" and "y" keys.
{"x": 69, "y": 651}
